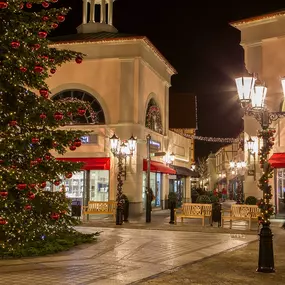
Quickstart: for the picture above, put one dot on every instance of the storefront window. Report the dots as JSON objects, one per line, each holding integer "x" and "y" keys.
{"x": 155, "y": 185}
{"x": 99, "y": 185}
{"x": 76, "y": 186}
{"x": 280, "y": 195}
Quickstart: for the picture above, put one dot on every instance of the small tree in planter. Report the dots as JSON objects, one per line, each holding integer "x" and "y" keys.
{"x": 172, "y": 201}
{"x": 251, "y": 200}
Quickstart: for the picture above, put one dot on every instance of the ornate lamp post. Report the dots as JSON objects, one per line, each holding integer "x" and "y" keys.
{"x": 121, "y": 150}
{"x": 252, "y": 96}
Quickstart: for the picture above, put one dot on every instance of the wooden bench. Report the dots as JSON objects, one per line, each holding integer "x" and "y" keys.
{"x": 194, "y": 211}
{"x": 241, "y": 213}
{"x": 100, "y": 208}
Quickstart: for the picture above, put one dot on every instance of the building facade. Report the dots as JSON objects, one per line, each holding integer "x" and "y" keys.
{"x": 127, "y": 81}
{"x": 263, "y": 41}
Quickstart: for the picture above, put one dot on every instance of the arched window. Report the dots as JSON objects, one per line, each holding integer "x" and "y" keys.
{"x": 153, "y": 117}
{"x": 96, "y": 109}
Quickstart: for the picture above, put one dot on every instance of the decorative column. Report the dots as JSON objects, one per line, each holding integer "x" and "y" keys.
{"x": 84, "y": 17}
{"x": 92, "y": 12}
{"x": 110, "y": 12}
{"x": 103, "y": 12}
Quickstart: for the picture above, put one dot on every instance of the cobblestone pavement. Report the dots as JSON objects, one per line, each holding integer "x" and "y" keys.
{"x": 121, "y": 256}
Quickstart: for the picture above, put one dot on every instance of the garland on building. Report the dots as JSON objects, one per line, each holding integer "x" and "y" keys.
{"x": 239, "y": 197}
{"x": 85, "y": 106}
{"x": 265, "y": 203}
{"x": 153, "y": 119}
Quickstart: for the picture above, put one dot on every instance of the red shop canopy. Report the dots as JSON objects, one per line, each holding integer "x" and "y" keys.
{"x": 156, "y": 166}
{"x": 277, "y": 160}
{"x": 90, "y": 163}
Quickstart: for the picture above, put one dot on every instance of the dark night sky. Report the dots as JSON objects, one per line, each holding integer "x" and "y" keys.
{"x": 197, "y": 40}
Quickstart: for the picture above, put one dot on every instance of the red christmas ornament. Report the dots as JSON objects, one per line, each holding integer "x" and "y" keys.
{"x": 57, "y": 182}
{"x": 4, "y": 194}
{"x": 3, "y": 221}
{"x": 78, "y": 59}
{"x": 23, "y": 69}
{"x": 28, "y": 207}
{"x": 21, "y": 6}
{"x": 77, "y": 143}
{"x": 68, "y": 175}
{"x": 13, "y": 123}
{"x": 45, "y": 57}
{"x": 45, "y": 18}
{"x": 44, "y": 93}
{"x": 52, "y": 71}
{"x": 21, "y": 186}
{"x": 39, "y": 160}
{"x": 3, "y": 5}
{"x": 38, "y": 69}
{"x": 72, "y": 147}
{"x": 51, "y": 60}
{"x": 36, "y": 46}
{"x": 43, "y": 185}
{"x": 58, "y": 116}
{"x": 45, "y": 4}
{"x": 69, "y": 114}
{"x": 81, "y": 111}
{"x": 43, "y": 116}
{"x": 33, "y": 162}
{"x": 60, "y": 18}
{"x": 54, "y": 1}
{"x": 35, "y": 140}
{"x": 55, "y": 216}
{"x": 54, "y": 25}
{"x": 42, "y": 34}
{"x": 15, "y": 44}
{"x": 31, "y": 196}
{"x": 1, "y": 160}
{"x": 32, "y": 185}
{"x": 47, "y": 156}
{"x": 54, "y": 144}
{"x": 29, "y": 5}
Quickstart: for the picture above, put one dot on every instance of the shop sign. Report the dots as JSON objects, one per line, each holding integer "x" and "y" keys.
{"x": 154, "y": 146}
{"x": 92, "y": 139}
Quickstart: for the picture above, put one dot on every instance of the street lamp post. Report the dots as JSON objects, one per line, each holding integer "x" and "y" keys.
{"x": 121, "y": 150}
{"x": 252, "y": 96}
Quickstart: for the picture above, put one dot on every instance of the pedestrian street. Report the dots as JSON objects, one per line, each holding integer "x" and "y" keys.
{"x": 120, "y": 256}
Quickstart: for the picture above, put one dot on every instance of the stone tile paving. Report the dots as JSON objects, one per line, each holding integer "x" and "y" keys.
{"x": 229, "y": 268}
{"x": 121, "y": 256}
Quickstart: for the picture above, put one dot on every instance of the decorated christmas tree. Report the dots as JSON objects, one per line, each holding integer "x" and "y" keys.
{"x": 33, "y": 128}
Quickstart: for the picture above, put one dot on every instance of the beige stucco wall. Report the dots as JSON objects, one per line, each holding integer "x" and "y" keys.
{"x": 264, "y": 44}
{"x": 123, "y": 77}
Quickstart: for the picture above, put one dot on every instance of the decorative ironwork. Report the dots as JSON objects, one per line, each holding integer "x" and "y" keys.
{"x": 94, "y": 112}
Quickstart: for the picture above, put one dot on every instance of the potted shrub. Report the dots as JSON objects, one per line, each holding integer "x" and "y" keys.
{"x": 194, "y": 195}
{"x": 251, "y": 200}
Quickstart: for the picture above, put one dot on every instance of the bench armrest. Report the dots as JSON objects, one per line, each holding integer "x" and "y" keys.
{"x": 226, "y": 211}
{"x": 178, "y": 210}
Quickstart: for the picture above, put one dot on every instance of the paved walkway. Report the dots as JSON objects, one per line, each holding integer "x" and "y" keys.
{"x": 121, "y": 256}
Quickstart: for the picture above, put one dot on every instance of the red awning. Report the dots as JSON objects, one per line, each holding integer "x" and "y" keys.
{"x": 277, "y": 160}
{"x": 90, "y": 163}
{"x": 156, "y": 166}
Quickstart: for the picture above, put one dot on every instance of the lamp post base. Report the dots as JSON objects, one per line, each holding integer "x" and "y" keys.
{"x": 266, "y": 256}
{"x": 119, "y": 217}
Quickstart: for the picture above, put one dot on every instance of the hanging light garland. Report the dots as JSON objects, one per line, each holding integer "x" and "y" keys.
{"x": 206, "y": 139}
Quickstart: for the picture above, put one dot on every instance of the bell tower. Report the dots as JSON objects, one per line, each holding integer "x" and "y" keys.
{"x": 89, "y": 23}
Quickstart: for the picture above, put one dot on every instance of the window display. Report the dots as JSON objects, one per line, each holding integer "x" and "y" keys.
{"x": 75, "y": 186}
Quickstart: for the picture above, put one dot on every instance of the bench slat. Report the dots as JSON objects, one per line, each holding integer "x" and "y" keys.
{"x": 193, "y": 210}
